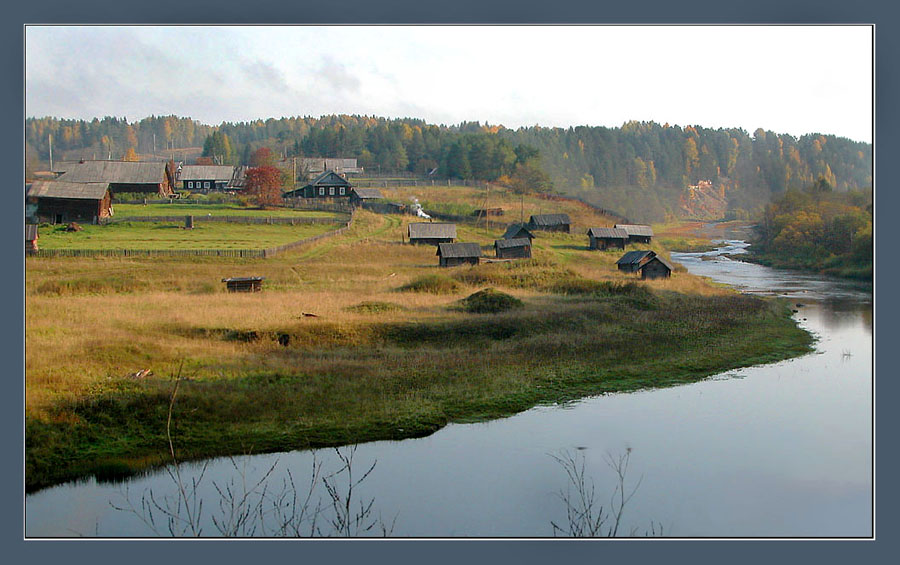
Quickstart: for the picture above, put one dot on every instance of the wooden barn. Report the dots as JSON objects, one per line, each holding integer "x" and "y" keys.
{"x": 513, "y": 248}
{"x": 206, "y": 177}
{"x": 517, "y": 231}
{"x": 125, "y": 176}
{"x": 360, "y": 195}
{"x": 61, "y": 202}
{"x": 327, "y": 185}
{"x": 632, "y": 261}
{"x": 453, "y": 254}
{"x": 637, "y": 233}
{"x": 550, "y": 222}
{"x": 606, "y": 238}
{"x": 31, "y": 237}
{"x": 656, "y": 268}
{"x": 431, "y": 232}
{"x": 244, "y": 284}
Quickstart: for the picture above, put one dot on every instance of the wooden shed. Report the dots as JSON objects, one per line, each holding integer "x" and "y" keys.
{"x": 513, "y": 248}
{"x": 656, "y": 268}
{"x": 453, "y": 254}
{"x": 431, "y": 232}
{"x": 637, "y": 233}
{"x": 157, "y": 177}
{"x": 550, "y": 222}
{"x": 244, "y": 284}
{"x": 60, "y": 202}
{"x": 327, "y": 185}
{"x": 517, "y": 231}
{"x": 606, "y": 238}
{"x": 31, "y": 237}
{"x": 360, "y": 195}
{"x": 632, "y": 261}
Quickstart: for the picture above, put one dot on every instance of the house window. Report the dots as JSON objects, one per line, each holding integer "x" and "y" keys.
{"x": 206, "y": 184}
{"x": 331, "y": 191}
{"x": 342, "y": 191}
{"x": 190, "y": 184}
{"x": 321, "y": 191}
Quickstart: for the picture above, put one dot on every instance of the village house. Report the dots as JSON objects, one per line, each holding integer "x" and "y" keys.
{"x": 550, "y": 222}
{"x": 60, "y": 202}
{"x": 431, "y": 232}
{"x": 327, "y": 185}
{"x": 637, "y": 233}
{"x": 125, "y": 176}
{"x": 206, "y": 177}
{"x": 632, "y": 261}
{"x": 605, "y": 238}
{"x": 360, "y": 195}
{"x": 656, "y": 268}
{"x": 453, "y": 254}
{"x": 513, "y": 248}
{"x": 31, "y": 237}
{"x": 517, "y": 231}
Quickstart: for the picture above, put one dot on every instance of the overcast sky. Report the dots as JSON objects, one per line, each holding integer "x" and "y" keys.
{"x": 788, "y": 79}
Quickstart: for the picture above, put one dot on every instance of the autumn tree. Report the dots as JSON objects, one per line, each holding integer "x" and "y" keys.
{"x": 130, "y": 155}
{"x": 263, "y": 185}
{"x": 262, "y": 157}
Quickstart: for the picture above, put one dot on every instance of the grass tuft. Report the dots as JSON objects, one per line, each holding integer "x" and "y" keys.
{"x": 489, "y": 301}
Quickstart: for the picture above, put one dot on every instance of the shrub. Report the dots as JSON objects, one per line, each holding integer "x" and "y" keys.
{"x": 489, "y": 301}
{"x": 374, "y": 307}
{"x": 435, "y": 284}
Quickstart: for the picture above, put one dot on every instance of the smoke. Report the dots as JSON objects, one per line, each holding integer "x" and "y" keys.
{"x": 418, "y": 208}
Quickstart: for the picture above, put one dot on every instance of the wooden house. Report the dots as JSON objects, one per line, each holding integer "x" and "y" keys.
{"x": 431, "y": 232}
{"x": 125, "y": 176}
{"x": 360, "y": 195}
{"x": 513, "y": 248}
{"x": 656, "y": 268}
{"x": 206, "y": 177}
{"x": 517, "y": 231}
{"x": 606, "y": 238}
{"x": 60, "y": 202}
{"x": 632, "y": 261}
{"x": 327, "y": 185}
{"x": 31, "y": 237}
{"x": 244, "y": 284}
{"x": 637, "y": 233}
{"x": 550, "y": 222}
{"x": 453, "y": 254}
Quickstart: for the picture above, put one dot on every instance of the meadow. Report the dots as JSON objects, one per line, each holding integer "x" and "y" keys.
{"x": 223, "y": 209}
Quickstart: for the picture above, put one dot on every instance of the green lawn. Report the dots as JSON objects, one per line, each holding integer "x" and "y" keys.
{"x": 200, "y": 210}
{"x": 153, "y": 235}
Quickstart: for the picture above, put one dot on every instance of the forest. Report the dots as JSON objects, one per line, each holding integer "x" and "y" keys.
{"x": 640, "y": 170}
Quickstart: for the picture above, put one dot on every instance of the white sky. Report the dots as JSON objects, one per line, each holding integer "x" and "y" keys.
{"x": 788, "y": 79}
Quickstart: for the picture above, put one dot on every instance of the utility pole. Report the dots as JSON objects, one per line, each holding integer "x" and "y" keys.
{"x": 50, "y": 136}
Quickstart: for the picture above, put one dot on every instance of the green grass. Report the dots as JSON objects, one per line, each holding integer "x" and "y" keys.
{"x": 489, "y": 301}
{"x": 433, "y": 284}
{"x": 200, "y": 210}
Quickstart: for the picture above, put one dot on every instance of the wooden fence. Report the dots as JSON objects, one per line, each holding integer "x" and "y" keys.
{"x": 228, "y": 219}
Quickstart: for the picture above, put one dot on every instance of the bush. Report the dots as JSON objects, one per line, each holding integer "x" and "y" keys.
{"x": 435, "y": 284}
{"x": 374, "y": 307}
{"x": 489, "y": 301}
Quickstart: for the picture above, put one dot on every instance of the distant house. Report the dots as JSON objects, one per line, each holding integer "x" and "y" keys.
{"x": 431, "y": 232}
{"x": 124, "y": 176}
{"x": 327, "y": 185}
{"x": 360, "y": 195}
{"x": 60, "y": 202}
{"x": 513, "y": 248}
{"x": 31, "y": 237}
{"x": 656, "y": 268}
{"x": 453, "y": 254}
{"x": 632, "y": 261}
{"x": 637, "y": 233}
{"x": 517, "y": 231}
{"x": 206, "y": 177}
{"x": 550, "y": 222}
{"x": 605, "y": 238}
{"x": 244, "y": 284}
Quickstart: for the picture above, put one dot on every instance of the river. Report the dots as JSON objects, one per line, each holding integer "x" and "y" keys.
{"x": 780, "y": 450}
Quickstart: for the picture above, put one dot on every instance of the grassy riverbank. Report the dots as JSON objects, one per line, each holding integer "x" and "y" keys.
{"x": 375, "y": 362}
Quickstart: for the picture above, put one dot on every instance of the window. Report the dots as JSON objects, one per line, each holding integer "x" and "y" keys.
{"x": 321, "y": 191}
{"x": 331, "y": 191}
{"x": 205, "y": 184}
{"x": 342, "y": 191}
{"x": 190, "y": 184}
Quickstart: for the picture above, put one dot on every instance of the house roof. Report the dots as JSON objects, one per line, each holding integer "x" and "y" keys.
{"x": 329, "y": 178}
{"x": 368, "y": 193}
{"x": 31, "y": 232}
{"x": 608, "y": 233}
{"x": 635, "y": 257}
{"x": 636, "y": 229}
{"x": 508, "y": 243}
{"x": 459, "y": 250}
{"x": 434, "y": 230}
{"x": 62, "y": 189}
{"x": 243, "y": 279}
{"x": 515, "y": 231}
{"x": 207, "y": 172}
{"x": 549, "y": 219}
{"x": 661, "y": 260}
{"x": 118, "y": 172}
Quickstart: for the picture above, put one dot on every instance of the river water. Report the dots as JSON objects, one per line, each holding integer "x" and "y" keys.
{"x": 781, "y": 450}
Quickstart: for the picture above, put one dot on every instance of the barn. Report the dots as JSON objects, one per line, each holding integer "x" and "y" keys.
{"x": 453, "y": 254}
{"x": 513, "y": 248}
{"x": 431, "y": 232}
{"x": 550, "y": 222}
{"x": 605, "y": 238}
{"x": 206, "y": 177}
{"x": 124, "y": 176}
{"x": 632, "y": 261}
{"x": 517, "y": 231}
{"x": 656, "y": 268}
{"x": 360, "y": 195}
{"x": 327, "y": 185}
{"x": 60, "y": 202}
{"x": 637, "y": 233}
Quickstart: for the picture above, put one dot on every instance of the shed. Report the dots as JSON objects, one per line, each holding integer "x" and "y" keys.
{"x": 656, "y": 268}
{"x": 244, "y": 284}
{"x": 124, "y": 176}
{"x": 513, "y": 248}
{"x": 634, "y": 260}
{"x": 327, "y": 185}
{"x": 637, "y": 233}
{"x": 550, "y": 222}
{"x": 360, "y": 195}
{"x": 517, "y": 231}
{"x": 60, "y": 202}
{"x": 431, "y": 232}
{"x": 604, "y": 238}
{"x": 31, "y": 237}
{"x": 206, "y": 177}
{"x": 453, "y": 254}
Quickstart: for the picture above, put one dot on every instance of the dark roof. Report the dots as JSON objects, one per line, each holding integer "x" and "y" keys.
{"x": 636, "y": 229}
{"x": 608, "y": 233}
{"x": 635, "y": 257}
{"x": 459, "y": 250}
{"x": 516, "y": 230}
{"x": 120, "y": 172}
{"x": 329, "y": 178}
{"x": 207, "y": 172}
{"x": 549, "y": 219}
{"x": 508, "y": 243}
{"x": 74, "y": 190}
{"x": 368, "y": 193}
{"x": 425, "y": 230}
{"x": 661, "y": 260}
{"x": 31, "y": 232}
{"x": 243, "y": 279}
